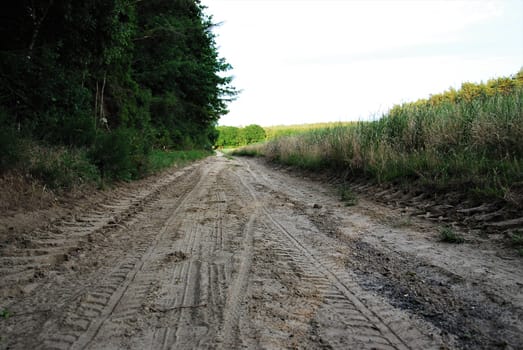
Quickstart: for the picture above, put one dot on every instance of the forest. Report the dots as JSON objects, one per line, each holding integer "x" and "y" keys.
{"x": 97, "y": 85}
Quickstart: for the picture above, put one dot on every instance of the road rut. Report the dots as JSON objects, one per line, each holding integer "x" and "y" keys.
{"x": 223, "y": 254}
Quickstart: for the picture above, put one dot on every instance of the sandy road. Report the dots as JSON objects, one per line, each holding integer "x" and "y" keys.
{"x": 229, "y": 253}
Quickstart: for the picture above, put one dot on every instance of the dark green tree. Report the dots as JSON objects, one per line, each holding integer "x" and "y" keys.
{"x": 78, "y": 73}
{"x": 177, "y": 60}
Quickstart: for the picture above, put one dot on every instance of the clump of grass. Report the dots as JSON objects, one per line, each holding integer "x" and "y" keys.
{"x": 348, "y": 196}
{"x": 516, "y": 241}
{"x": 448, "y": 235}
{"x": 5, "y": 314}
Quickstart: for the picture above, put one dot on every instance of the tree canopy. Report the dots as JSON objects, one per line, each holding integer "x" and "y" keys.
{"x": 231, "y": 136}
{"x": 72, "y": 72}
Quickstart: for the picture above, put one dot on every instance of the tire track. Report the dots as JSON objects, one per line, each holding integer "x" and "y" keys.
{"x": 93, "y": 312}
{"x": 369, "y": 323}
{"x": 229, "y": 334}
{"x": 51, "y": 245}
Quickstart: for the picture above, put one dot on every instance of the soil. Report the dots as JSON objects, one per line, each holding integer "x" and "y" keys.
{"x": 232, "y": 253}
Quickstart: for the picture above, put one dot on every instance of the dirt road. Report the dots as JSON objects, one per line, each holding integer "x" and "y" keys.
{"x": 230, "y": 253}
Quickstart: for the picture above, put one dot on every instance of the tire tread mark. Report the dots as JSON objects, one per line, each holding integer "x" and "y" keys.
{"x": 342, "y": 286}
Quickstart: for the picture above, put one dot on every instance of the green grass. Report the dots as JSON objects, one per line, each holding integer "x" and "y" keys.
{"x": 159, "y": 159}
{"x": 447, "y": 234}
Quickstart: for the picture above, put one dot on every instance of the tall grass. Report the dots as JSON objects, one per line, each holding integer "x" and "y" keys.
{"x": 467, "y": 143}
{"x": 277, "y": 131}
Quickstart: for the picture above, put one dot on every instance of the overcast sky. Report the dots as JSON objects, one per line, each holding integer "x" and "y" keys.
{"x": 305, "y": 61}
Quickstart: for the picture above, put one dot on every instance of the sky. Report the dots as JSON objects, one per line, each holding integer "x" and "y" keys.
{"x": 309, "y": 61}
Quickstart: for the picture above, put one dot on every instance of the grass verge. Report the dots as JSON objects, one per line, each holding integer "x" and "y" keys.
{"x": 160, "y": 160}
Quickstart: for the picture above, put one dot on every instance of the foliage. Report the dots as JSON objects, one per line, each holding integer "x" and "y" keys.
{"x": 62, "y": 168}
{"x": 188, "y": 94}
{"x": 467, "y": 139}
{"x": 228, "y": 136}
{"x": 122, "y": 154}
{"x": 252, "y": 134}
{"x": 231, "y": 136}
{"x": 113, "y": 77}
{"x": 11, "y": 148}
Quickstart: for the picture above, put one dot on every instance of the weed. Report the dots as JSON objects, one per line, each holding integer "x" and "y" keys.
{"x": 516, "y": 239}
{"x": 5, "y": 314}
{"x": 348, "y": 196}
{"x": 448, "y": 235}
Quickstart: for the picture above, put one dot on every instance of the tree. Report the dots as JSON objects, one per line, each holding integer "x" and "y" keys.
{"x": 251, "y": 134}
{"x": 177, "y": 60}
{"x": 229, "y": 136}
{"x": 74, "y": 72}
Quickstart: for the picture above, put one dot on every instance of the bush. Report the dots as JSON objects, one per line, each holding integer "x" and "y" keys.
{"x": 121, "y": 154}
{"x": 252, "y": 134}
{"x": 62, "y": 168}
{"x": 228, "y": 136}
{"x": 11, "y": 149}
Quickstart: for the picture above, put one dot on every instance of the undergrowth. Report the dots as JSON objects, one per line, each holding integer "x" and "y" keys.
{"x": 110, "y": 159}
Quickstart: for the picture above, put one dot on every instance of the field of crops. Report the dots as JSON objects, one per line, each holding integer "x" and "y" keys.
{"x": 469, "y": 139}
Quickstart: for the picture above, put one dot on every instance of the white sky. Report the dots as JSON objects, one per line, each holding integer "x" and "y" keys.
{"x": 305, "y": 61}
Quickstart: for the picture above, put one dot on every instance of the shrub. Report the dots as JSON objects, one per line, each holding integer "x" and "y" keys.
{"x": 251, "y": 134}
{"x": 121, "y": 154}
{"x": 62, "y": 168}
{"x": 11, "y": 148}
{"x": 228, "y": 136}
